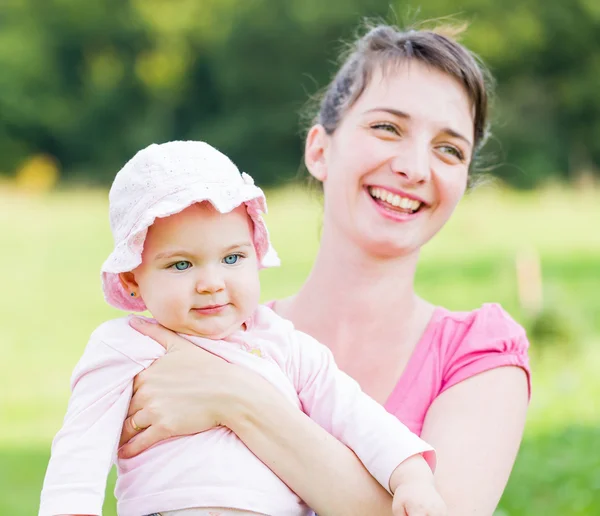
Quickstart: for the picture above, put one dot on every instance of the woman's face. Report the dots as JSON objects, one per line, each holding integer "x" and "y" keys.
{"x": 397, "y": 165}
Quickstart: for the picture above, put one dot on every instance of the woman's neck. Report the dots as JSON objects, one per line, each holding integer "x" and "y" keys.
{"x": 351, "y": 299}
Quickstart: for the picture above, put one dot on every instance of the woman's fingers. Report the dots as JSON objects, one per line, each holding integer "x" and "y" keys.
{"x": 141, "y": 442}
{"x": 166, "y": 338}
{"x": 134, "y": 424}
{"x": 139, "y": 399}
{"x": 127, "y": 432}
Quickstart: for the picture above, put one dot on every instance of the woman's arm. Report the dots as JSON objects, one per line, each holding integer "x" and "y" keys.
{"x": 476, "y": 427}
{"x": 321, "y": 470}
{"x": 189, "y": 391}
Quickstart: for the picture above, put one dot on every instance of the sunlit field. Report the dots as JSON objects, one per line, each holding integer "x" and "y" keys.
{"x": 53, "y": 246}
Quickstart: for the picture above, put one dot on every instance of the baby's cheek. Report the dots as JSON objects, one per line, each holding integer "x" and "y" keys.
{"x": 249, "y": 297}
{"x": 167, "y": 306}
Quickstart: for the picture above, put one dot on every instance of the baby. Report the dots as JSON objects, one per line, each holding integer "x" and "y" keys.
{"x": 189, "y": 242}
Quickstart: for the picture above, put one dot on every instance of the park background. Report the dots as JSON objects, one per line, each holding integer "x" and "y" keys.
{"x": 84, "y": 85}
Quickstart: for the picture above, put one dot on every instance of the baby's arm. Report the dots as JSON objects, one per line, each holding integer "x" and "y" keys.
{"x": 336, "y": 402}
{"x": 84, "y": 449}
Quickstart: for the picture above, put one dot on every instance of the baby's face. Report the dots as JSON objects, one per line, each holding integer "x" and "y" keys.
{"x": 199, "y": 271}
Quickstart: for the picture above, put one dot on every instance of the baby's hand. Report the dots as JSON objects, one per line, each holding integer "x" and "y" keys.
{"x": 414, "y": 490}
{"x": 418, "y": 499}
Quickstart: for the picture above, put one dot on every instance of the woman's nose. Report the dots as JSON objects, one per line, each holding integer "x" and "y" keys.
{"x": 413, "y": 163}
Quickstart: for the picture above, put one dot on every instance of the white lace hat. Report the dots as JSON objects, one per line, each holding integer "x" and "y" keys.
{"x": 162, "y": 180}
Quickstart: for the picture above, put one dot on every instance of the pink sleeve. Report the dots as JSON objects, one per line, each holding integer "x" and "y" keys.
{"x": 487, "y": 340}
{"x": 335, "y": 401}
{"x": 84, "y": 449}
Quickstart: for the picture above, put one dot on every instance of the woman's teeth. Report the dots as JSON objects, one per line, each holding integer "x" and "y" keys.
{"x": 394, "y": 200}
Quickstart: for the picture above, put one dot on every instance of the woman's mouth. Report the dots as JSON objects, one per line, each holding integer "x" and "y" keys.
{"x": 394, "y": 202}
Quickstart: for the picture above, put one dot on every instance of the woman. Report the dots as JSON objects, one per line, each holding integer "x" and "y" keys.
{"x": 393, "y": 144}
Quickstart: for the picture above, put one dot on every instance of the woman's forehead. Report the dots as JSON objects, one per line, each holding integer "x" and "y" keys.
{"x": 419, "y": 91}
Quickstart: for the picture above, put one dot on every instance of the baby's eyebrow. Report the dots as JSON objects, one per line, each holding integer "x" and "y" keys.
{"x": 165, "y": 255}
{"x": 170, "y": 254}
{"x": 238, "y": 246}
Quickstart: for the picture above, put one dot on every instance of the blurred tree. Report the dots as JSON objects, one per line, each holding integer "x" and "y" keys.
{"x": 90, "y": 83}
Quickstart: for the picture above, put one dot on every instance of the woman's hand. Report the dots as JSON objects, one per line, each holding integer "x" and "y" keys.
{"x": 182, "y": 393}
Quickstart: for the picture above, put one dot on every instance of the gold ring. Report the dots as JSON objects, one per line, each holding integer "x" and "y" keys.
{"x": 134, "y": 426}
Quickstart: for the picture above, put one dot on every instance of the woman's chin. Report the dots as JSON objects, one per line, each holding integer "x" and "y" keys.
{"x": 387, "y": 242}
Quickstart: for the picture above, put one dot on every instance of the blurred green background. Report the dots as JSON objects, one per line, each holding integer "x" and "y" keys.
{"x": 84, "y": 85}
{"x": 87, "y": 84}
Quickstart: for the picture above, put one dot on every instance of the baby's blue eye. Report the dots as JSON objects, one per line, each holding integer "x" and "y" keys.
{"x": 182, "y": 266}
{"x": 231, "y": 259}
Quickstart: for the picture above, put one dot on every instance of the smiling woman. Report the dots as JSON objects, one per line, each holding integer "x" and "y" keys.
{"x": 411, "y": 121}
{"x": 393, "y": 144}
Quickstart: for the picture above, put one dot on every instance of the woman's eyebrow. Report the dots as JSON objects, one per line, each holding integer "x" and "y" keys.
{"x": 402, "y": 114}
{"x": 391, "y": 111}
{"x": 454, "y": 134}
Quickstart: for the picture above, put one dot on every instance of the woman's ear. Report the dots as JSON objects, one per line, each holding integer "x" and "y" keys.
{"x": 129, "y": 283}
{"x": 315, "y": 152}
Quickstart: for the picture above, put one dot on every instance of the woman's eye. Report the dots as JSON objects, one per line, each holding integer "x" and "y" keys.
{"x": 231, "y": 259}
{"x": 452, "y": 151}
{"x": 390, "y": 128}
{"x": 182, "y": 265}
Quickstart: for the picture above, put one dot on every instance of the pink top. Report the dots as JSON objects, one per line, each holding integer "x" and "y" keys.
{"x": 454, "y": 347}
{"x": 212, "y": 468}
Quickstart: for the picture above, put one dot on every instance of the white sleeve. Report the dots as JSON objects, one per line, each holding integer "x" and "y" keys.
{"x": 85, "y": 447}
{"x": 335, "y": 401}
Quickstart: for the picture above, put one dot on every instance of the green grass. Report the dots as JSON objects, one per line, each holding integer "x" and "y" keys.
{"x": 53, "y": 247}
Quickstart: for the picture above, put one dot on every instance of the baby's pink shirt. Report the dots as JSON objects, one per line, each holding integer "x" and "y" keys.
{"x": 212, "y": 468}
{"x": 454, "y": 347}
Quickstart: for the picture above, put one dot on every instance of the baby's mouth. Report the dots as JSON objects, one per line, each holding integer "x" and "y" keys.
{"x": 210, "y": 309}
{"x": 394, "y": 202}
